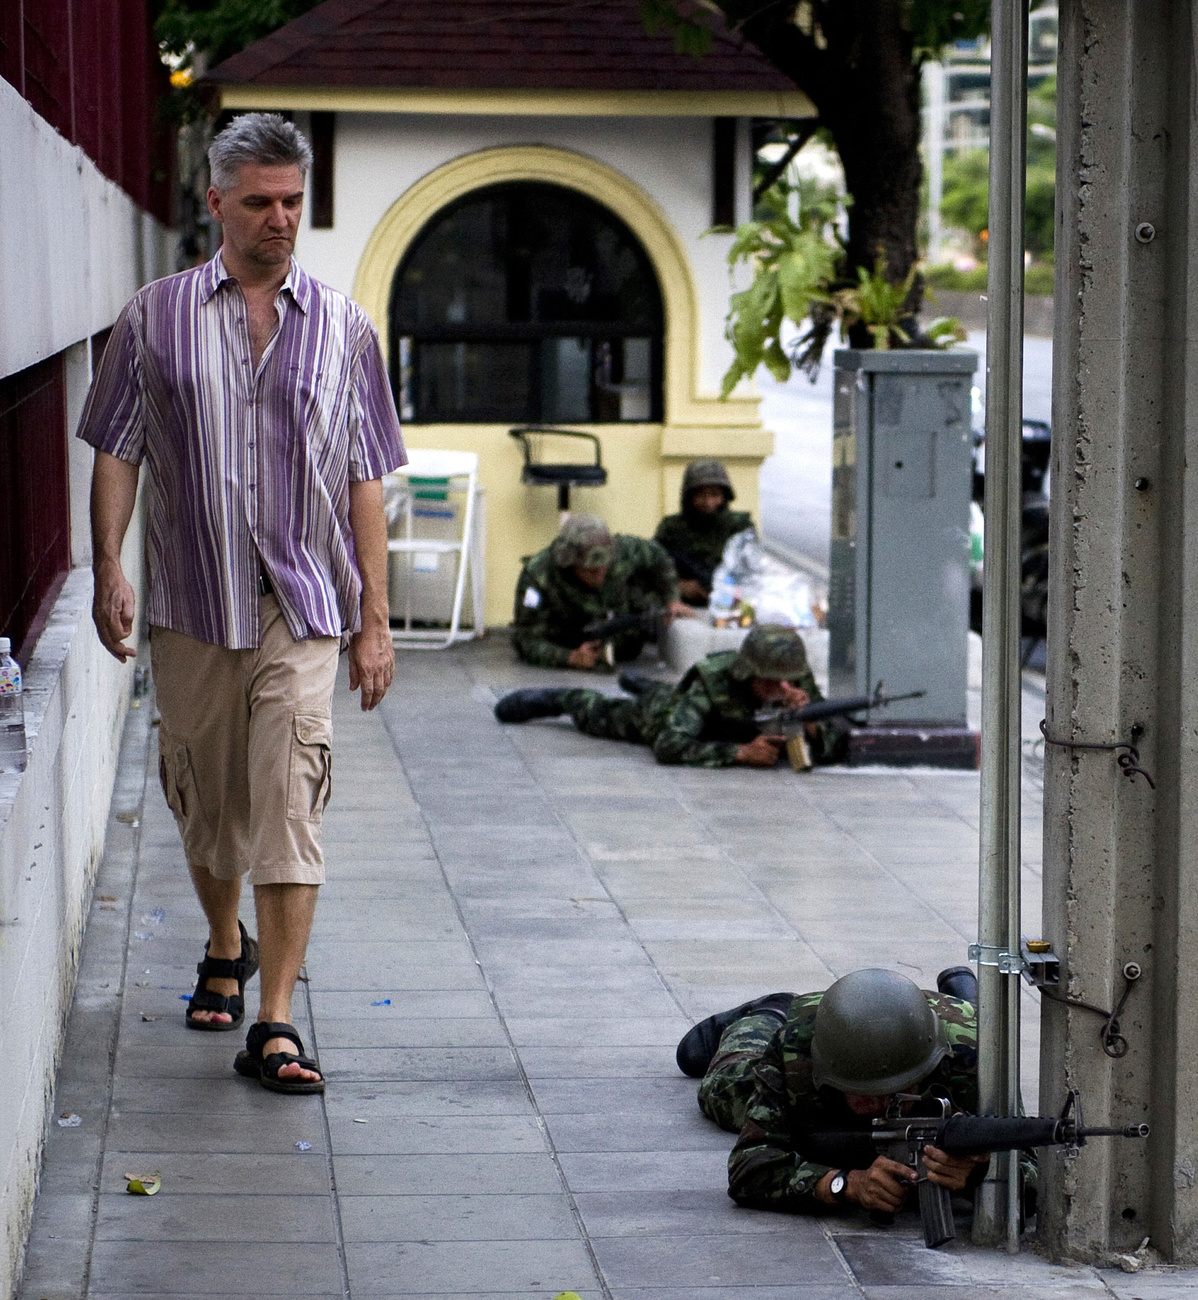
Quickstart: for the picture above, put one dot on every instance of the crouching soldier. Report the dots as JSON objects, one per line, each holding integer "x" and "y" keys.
{"x": 697, "y": 535}
{"x": 707, "y": 720}
{"x": 585, "y": 576}
{"x": 791, "y": 1064}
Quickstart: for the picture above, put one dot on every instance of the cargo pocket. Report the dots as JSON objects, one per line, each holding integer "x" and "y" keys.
{"x": 310, "y": 774}
{"x": 178, "y": 781}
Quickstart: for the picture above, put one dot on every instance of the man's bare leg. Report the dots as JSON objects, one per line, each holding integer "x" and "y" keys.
{"x": 284, "y": 922}
{"x": 220, "y": 900}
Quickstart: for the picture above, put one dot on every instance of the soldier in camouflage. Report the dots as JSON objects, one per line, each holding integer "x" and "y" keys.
{"x": 817, "y": 1062}
{"x": 584, "y": 576}
{"x": 695, "y": 537}
{"x": 707, "y": 720}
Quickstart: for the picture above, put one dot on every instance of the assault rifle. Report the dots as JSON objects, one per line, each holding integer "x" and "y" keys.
{"x": 903, "y": 1138}
{"x": 607, "y": 629}
{"x": 789, "y": 722}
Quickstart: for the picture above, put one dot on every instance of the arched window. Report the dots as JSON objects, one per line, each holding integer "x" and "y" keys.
{"x": 526, "y": 303}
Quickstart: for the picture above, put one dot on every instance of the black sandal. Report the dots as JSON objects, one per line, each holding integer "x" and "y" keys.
{"x": 241, "y": 969}
{"x": 252, "y": 1065}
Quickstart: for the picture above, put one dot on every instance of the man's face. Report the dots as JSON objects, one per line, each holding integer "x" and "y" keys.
{"x": 591, "y": 576}
{"x": 865, "y": 1106}
{"x": 707, "y": 500}
{"x": 260, "y": 213}
{"x": 769, "y": 691}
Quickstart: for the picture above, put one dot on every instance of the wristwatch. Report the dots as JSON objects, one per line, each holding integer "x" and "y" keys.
{"x": 839, "y": 1186}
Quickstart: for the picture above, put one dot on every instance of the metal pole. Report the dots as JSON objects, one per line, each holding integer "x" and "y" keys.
{"x": 997, "y": 1215}
{"x": 933, "y": 84}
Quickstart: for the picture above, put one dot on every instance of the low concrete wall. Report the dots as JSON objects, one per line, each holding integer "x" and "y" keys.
{"x": 52, "y": 820}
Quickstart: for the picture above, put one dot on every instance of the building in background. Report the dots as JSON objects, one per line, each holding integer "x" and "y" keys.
{"x": 518, "y": 194}
{"x": 84, "y": 179}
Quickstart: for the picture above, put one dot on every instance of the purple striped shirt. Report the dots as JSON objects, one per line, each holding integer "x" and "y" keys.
{"x": 249, "y": 471}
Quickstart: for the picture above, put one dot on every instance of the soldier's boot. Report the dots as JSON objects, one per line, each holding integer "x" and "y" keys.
{"x": 533, "y": 702}
{"x": 959, "y": 982}
{"x": 635, "y": 682}
{"x": 699, "y": 1045}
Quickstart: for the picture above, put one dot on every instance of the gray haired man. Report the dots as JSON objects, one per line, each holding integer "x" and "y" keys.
{"x": 258, "y": 399}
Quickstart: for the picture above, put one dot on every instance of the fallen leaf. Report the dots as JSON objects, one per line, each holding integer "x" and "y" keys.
{"x": 144, "y": 1184}
{"x": 148, "y": 1018}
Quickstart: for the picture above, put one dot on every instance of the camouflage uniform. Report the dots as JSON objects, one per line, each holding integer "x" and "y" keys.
{"x": 759, "y": 1085}
{"x": 552, "y": 606}
{"x": 700, "y": 722}
{"x": 695, "y": 540}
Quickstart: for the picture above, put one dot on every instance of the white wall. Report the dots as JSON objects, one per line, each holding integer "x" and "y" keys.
{"x": 73, "y": 246}
{"x": 379, "y": 156}
{"x": 73, "y": 249}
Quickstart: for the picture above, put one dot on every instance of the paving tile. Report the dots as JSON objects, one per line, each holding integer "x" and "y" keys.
{"x": 435, "y": 1004}
{"x": 670, "y": 1214}
{"x": 645, "y": 1171}
{"x": 215, "y": 1218}
{"x": 433, "y": 1175}
{"x": 433, "y": 1134}
{"x": 582, "y": 1031}
{"x": 604, "y": 1130}
{"x": 391, "y": 1099}
{"x": 197, "y": 1269}
{"x": 302, "y": 1173}
{"x": 597, "y": 1062}
{"x": 463, "y": 1267}
{"x": 844, "y": 1291}
{"x": 398, "y": 1031}
{"x": 211, "y": 1132}
{"x": 511, "y": 1217}
{"x": 412, "y": 1063}
{"x": 777, "y": 1259}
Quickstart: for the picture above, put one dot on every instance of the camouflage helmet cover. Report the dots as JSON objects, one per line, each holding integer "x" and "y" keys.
{"x": 771, "y": 650}
{"x": 585, "y": 541}
{"x": 875, "y": 1034}
{"x": 706, "y": 473}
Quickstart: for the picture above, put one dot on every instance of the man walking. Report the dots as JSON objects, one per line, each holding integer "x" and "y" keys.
{"x": 259, "y": 401}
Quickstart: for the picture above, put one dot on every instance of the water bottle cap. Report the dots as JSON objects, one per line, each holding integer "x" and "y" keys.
{"x": 5, "y": 645}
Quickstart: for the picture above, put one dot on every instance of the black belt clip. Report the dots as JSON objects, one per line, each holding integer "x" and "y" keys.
{"x": 265, "y": 588}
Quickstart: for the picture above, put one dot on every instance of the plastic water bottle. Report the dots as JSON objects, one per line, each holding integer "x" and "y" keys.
{"x": 12, "y": 711}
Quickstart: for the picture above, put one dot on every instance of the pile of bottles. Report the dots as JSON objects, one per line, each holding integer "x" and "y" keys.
{"x": 12, "y": 711}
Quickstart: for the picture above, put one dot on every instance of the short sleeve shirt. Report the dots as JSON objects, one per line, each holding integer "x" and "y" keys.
{"x": 249, "y": 470}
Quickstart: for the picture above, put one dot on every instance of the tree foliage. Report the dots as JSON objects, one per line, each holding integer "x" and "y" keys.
{"x": 216, "y": 29}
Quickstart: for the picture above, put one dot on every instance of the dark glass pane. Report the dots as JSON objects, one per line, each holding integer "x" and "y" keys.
{"x": 475, "y": 382}
{"x": 534, "y": 272}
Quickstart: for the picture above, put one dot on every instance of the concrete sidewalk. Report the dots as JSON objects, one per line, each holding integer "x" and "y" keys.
{"x": 519, "y": 925}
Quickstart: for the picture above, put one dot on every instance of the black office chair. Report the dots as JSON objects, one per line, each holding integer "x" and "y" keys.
{"x": 561, "y": 476}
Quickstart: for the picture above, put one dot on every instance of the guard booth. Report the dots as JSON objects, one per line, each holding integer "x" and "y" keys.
{"x": 898, "y": 599}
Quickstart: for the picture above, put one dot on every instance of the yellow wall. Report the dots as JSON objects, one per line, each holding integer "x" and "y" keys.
{"x": 645, "y": 462}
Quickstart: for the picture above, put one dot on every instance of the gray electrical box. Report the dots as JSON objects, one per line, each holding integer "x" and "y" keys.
{"x": 898, "y": 599}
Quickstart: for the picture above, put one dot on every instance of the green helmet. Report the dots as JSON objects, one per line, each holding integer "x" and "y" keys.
{"x": 875, "y": 1033}
{"x": 706, "y": 473}
{"x": 771, "y": 650}
{"x": 584, "y": 540}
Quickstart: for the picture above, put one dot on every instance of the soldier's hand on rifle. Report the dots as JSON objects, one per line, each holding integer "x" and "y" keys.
{"x": 792, "y": 697}
{"x": 587, "y": 655}
{"x": 950, "y": 1171}
{"x": 761, "y": 751}
{"x": 883, "y": 1186}
{"x": 676, "y": 609}
{"x": 692, "y": 589}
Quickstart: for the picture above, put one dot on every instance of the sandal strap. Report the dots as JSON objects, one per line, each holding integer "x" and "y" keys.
{"x": 272, "y": 1064}
{"x": 263, "y": 1031}
{"x": 221, "y": 968}
{"x": 206, "y": 1000}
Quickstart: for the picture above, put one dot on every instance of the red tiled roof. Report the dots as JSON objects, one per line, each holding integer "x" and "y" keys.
{"x": 492, "y": 45}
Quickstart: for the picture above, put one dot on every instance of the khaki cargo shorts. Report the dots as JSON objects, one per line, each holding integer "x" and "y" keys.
{"x": 245, "y": 749}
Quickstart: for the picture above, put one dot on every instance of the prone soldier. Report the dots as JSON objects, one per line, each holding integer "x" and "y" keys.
{"x": 695, "y": 537}
{"x": 708, "y": 719}
{"x": 584, "y": 576}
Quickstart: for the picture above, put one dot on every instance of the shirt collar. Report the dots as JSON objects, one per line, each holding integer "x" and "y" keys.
{"x": 298, "y": 283}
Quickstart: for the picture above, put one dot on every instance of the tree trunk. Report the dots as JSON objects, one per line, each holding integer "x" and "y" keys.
{"x": 859, "y": 70}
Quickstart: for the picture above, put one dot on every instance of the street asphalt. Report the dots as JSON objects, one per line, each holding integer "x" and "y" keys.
{"x": 519, "y": 924}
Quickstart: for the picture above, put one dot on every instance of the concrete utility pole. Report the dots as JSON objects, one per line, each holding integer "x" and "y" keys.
{"x": 1120, "y": 858}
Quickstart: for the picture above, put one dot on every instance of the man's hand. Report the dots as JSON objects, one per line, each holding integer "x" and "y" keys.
{"x": 883, "y": 1186}
{"x": 371, "y": 663}
{"x": 692, "y": 589}
{"x": 792, "y": 697}
{"x": 678, "y": 609}
{"x": 587, "y": 655}
{"x": 112, "y": 610}
{"x": 950, "y": 1171}
{"x": 761, "y": 751}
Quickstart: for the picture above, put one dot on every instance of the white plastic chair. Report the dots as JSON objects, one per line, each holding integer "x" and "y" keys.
{"x": 437, "y": 474}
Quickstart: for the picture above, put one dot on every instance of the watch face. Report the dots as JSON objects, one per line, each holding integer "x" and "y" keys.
{"x": 837, "y": 1186}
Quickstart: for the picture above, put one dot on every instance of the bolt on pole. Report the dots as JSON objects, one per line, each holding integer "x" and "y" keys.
{"x": 997, "y": 1212}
